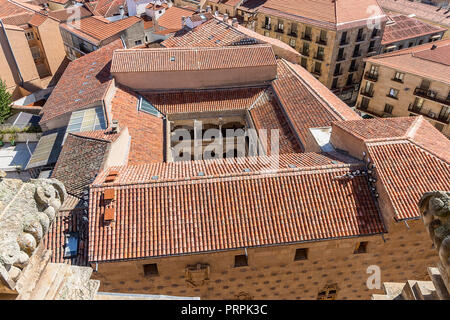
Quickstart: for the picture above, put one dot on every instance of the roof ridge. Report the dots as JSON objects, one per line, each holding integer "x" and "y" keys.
{"x": 238, "y": 175}
{"x": 315, "y": 92}
{"x": 80, "y": 135}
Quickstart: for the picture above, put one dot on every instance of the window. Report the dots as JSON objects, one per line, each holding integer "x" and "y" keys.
{"x": 240, "y": 261}
{"x": 266, "y": 33}
{"x": 420, "y": 42}
{"x": 444, "y": 114}
{"x": 35, "y": 52}
{"x": 364, "y": 103}
{"x": 137, "y": 42}
{"x": 371, "y": 46}
{"x": 305, "y": 50}
{"x": 335, "y": 83}
{"x": 361, "y": 247}
{"x": 337, "y": 69}
{"x": 328, "y": 293}
{"x": 292, "y": 42}
{"x": 425, "y": 85}
{"x": 388, "y": 108}
{"x": 393, "y": 93}
{"x": 304, "y": 63}
{"x": 400, "y": 47}
{"x": 145, "y": 106}
{"x": 280, "y": 25}
{"x": 29, "y": 35}
{"x": 353, "y": 66}
{"x": 360, "y": 34}
{"x": 317, "y": 67}
{"x": 418, "y": 103}
{"x": 301, "y": 254}
{"x": 323, "y": 37}
{"x": 344, "y": 37}
{"x": 151, "y": 270}
{"x": 399, "y": 77}
{"x": 350, "y": 79}
{"x": 410, "y": 44}
{"x": 439, "y": 126}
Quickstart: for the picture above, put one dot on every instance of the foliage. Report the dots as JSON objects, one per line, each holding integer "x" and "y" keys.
{"x": 5, "y": 102}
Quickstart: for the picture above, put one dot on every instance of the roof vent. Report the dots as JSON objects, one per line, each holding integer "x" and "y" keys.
{"x": 115, "y": 126}
{"x": 155, "y": 178}
{"x": 292, "y": 166}
{"x": 172, "y": 58}
{"x": 110, "y": 213}
{"x": 201, "y": 174}
{"x": 433, "y": 47}
{"x": 247, "y": 170}
{"x": 112, "y": 175}
{"x": 109, "y": 194}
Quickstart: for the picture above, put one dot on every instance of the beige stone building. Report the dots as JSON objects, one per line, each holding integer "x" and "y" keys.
{"x": 333, "y": 37}
{"x": 409, "y": 82}
{"x": 32, "y": 51}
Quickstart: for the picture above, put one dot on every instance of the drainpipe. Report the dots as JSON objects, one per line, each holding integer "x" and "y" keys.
{"x": 12, "y": 53}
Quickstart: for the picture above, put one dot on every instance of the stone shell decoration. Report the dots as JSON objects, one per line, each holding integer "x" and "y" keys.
{"x": 435, "y": 209}
{"x": 27, "y": 210}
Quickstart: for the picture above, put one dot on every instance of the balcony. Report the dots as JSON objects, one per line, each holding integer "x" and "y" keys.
{"x": 342, "y": 57}
{"x": 428, "y": 113}
{"x": 376, "y": 33}
{"x": 353, "y": 69}
{"x": 397, "y": 80}
{"x": 357, "y": 54}
{"x": 371, "y": 76}
{"x": 279, "y": 30}
{"x": 306, "y": 37}
{"x": 368, "y": 94}
{"x": 318, "y": 56}
{"x": 344, "y": 42}
{"x": 361, "y": 38}
{"x": 321, "y": 41}
{"x": 431, "y": 95}
{"x": 293, "y": 33}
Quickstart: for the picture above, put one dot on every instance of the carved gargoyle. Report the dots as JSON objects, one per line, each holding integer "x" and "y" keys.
{"x": 26, "y": 213}
{"x": 435, "y": 209}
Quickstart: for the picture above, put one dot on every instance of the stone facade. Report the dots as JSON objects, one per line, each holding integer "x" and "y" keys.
{"x": 272, "y": 272}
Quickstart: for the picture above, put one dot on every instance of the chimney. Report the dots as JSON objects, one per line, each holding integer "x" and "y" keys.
{"x": 208, "y": 8}
{"x": 216, "y": 13}
{"x": 115, "y": 126}
{"x": 234, "y": 22}
{"x": 225, "y": 18}
{"x": 121, "y": 11}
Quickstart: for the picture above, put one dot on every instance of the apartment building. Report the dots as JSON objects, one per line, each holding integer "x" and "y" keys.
{"x": 409, "y": 82}
{"x": 405, "y": 32}
{"x": 333, "y": 37}
{"x": 32, "y": 51}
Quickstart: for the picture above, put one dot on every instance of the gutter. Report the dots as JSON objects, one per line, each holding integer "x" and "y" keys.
{"x": 12, "y": 53}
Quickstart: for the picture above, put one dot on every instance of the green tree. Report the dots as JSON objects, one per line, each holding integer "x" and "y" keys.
{"x": 5, "y": 102}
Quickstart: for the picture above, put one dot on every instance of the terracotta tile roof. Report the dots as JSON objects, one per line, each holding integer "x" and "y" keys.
{"x": 155, "y": 6}
{"x": 59, "y": 1}
{"x": 96, "y": 29}
{"x": 10, "y": 9}
{"x": 407, "y": 172}
{"x": 420, "y": 60}
{"x": 267, "y": 114}
{"x": 212, "y": 33}
{"x": 404, "y": 27}
{"x": 421, "y": 10}
{"x": 37, "y": 20}
{"x": 106, "y": 8}
{"x": 84, "y": 82}
{"x": 204, "y": 100}
{"x": 146, "y": 131}
{"x": 341, "y": 14}
{"x": 410, "y": 155}
{"x": 103, "y": 135}
{"x": 210, "y": 214}
{"x": 183, "y": 170}
{"x": 80, "y": 160}
{"x": 19, "y": 19}
{"x": 307, "y": 103}
{"x": 171, "y": 19}
{"x": 63, "y": 15}
{"x": 67, "y": 222}
{"x": 190, "y": 59}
